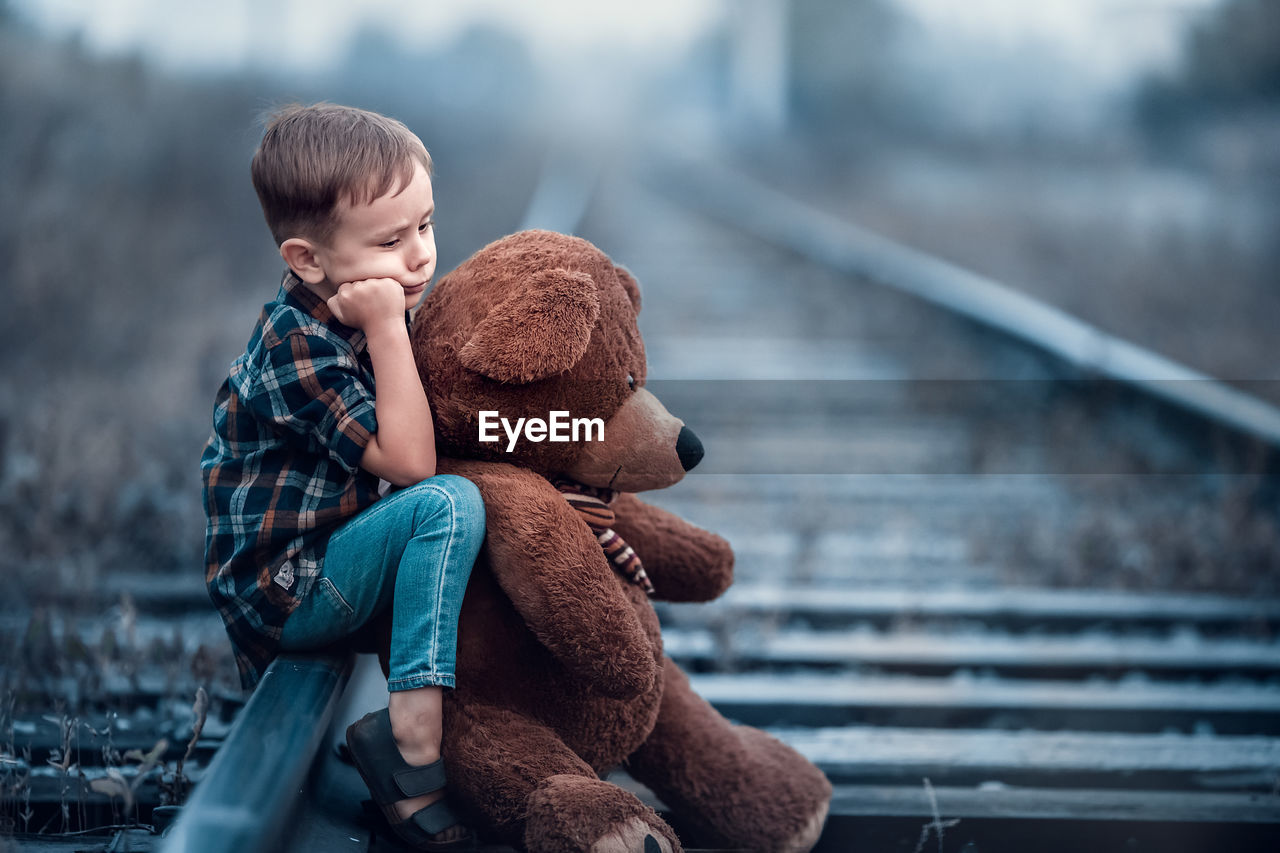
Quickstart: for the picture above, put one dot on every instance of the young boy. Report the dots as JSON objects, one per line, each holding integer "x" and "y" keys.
{"x": 301, "y": 550}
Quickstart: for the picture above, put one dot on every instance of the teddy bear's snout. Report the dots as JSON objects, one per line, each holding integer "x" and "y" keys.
{"x": 688, "y": 448}
{"x": 644, "y": 447}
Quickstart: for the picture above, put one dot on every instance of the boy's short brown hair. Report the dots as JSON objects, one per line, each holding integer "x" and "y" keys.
{"x": 312, "y": 157}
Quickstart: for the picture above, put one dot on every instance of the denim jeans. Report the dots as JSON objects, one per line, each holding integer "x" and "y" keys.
{"x": 411, "y": 551}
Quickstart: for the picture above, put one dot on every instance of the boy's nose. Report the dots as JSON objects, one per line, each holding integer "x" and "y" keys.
{"x": 419, "y": 253}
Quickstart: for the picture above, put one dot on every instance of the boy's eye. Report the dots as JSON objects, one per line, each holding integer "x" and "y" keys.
{"x": 391, "y": 244}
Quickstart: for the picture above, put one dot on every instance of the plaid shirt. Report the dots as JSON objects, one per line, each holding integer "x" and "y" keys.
{"x": 281, "y": 469}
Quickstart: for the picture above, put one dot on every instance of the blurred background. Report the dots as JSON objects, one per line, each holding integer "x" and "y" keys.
{"x": 1117, "y": 158}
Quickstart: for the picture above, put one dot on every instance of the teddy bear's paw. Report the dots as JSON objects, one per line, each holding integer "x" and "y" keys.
{"x": 631, "y": 836}
{"x": 808, "y": 836}
{"x": 576, "y": 814}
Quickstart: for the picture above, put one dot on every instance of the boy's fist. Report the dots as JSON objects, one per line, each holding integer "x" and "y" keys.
{"x": 360, "y": 304}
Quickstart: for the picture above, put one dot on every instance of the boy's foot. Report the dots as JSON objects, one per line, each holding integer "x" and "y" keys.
{"x": 421, "y": 818}
{"x": 408, "y": 808}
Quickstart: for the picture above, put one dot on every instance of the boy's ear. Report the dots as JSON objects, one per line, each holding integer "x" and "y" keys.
{"x": 300, "y": 255}
{"x": 540, "y": 330}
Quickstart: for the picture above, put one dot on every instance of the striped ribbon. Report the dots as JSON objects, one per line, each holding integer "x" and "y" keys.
{"x": 592, "y": 503}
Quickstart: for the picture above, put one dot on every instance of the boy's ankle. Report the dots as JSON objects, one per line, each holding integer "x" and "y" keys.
{"x": 418, "y": 755}
{"x": 418, "y": 743}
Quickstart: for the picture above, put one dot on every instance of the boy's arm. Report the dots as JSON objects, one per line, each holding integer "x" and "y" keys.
{"x": 403, "y": 450}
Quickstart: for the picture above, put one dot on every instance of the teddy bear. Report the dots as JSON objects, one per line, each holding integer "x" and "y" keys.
{"x": 560, "y": 671}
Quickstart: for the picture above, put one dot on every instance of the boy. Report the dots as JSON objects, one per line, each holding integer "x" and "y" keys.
{"x": 301, "y": 551}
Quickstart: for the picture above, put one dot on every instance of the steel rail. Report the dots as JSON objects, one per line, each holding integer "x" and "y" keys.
{"x": 764, "y": 212}
{"x": 244, "y": 801}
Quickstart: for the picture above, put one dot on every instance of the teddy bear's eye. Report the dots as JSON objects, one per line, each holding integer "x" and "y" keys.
{"x": 631, "y": 382}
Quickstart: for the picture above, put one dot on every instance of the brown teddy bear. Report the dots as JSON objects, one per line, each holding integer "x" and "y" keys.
{"x": 560, "y": 671}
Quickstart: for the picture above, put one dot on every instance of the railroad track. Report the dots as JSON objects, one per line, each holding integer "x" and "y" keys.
{"x": 915, "y": 608}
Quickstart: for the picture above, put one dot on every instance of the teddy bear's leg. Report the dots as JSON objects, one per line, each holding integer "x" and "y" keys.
{"x": 750, "y": 789}
{"x": 534, "y": 791}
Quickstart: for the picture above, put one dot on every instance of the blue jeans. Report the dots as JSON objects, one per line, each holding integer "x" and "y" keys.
{"x": 411, "y": 551}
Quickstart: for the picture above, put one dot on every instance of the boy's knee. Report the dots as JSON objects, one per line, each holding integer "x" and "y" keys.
{"x": 464, "y": 494}
{"x": 460, "y": 497}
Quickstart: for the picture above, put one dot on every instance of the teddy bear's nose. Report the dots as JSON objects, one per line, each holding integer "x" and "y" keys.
{"x": 688, "y": 448}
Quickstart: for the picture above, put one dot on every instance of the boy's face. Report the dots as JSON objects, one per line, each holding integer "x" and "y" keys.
{"x": 391, "y": 237}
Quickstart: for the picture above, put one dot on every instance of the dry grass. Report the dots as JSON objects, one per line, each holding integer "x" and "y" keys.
{"x": 96, "y": 689}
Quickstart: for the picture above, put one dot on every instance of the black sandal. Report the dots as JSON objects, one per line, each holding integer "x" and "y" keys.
{"x": 390, "y": 779}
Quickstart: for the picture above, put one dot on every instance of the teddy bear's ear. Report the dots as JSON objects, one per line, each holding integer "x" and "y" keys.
{"x": 540, "y": 330}
{"x": 629, "y": 285}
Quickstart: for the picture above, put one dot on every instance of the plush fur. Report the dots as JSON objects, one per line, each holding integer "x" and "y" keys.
{"x": 561, "y": 674}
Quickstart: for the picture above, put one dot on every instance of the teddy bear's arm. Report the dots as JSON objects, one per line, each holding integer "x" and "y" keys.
{"x": 685, "y": 562}
{"x": 555, "y": 573}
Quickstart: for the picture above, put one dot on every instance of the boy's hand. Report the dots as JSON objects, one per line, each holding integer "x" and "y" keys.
{"x": 365, "y": 303}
